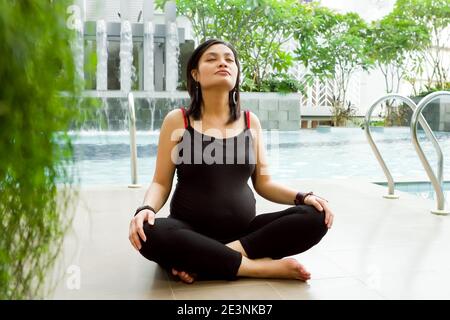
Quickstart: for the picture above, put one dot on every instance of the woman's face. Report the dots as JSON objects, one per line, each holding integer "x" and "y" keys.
{"x": 216, "y": 57}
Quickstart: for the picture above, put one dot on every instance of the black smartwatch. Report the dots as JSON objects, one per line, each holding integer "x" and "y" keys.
{"x": 139, "y": 209}
{"x": 300, "y": 198}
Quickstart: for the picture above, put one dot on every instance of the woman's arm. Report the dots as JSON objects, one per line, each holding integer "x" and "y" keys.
{"x": 156, "y": 195}
{"x": 159, "y": 190}
{"x": 261, "y": 179}
{"x": 272, "y": 191}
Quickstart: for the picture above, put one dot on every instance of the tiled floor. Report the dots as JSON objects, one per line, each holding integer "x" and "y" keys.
{"x": 377, "y": 249}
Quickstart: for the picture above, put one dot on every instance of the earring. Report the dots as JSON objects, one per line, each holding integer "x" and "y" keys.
{"x": 234, "y": 97}
{"x": 196, "y": 92}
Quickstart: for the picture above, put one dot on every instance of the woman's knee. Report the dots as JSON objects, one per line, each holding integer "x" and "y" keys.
{"x": 162, "y": 238}
{"x": 161, "y": 232}
{"x": 318, "y": 223}
{"x": 315, "y": 221}
{"x": 147, "y": 245}
{"x": 156, "y": 239}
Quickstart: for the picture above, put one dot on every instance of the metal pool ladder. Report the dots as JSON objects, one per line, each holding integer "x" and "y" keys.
{"x": 133, "y": 148}
{"x": 435, "y": 181}
{"x": 418, "y": 118}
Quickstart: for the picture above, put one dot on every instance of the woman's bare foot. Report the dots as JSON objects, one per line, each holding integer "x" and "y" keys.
{"x": 184, "y": 276}
{"x": 288, "y": 268}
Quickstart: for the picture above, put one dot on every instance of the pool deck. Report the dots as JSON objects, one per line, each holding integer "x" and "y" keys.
{"x": 377, "y": 249}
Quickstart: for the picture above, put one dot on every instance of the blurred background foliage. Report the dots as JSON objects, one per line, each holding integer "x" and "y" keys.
{"x": 36, "y": 67}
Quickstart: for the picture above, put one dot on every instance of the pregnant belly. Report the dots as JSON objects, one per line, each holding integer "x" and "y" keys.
{"x": 216, "y": 214}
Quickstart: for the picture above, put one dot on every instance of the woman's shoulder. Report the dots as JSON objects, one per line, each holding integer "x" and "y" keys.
{"x": 254, "y": 120}
{"x": 174, "y": 122}
{"x": 175, "y": 118}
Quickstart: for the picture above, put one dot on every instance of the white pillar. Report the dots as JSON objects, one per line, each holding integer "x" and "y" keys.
{"x": 126, "y": 55}
{"x": 78, "y": 12}
{"x": 172, "y": 47}
{"x": 148, "y": 15}
{"x": 102, "y": 55}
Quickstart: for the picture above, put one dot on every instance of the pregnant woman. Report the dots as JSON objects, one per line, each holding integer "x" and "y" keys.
{"x": 213, "y": 231}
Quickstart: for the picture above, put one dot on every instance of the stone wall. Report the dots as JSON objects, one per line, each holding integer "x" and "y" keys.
{"x": 444, "y": 121}
{"x": 275, "y": 111}
{"x": 437, "y": 113}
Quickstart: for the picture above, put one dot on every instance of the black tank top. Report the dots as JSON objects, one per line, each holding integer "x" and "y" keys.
{"x": 212, "y": 193}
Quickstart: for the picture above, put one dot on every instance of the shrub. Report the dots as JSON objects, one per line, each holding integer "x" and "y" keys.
{"x": 36, "y": 66}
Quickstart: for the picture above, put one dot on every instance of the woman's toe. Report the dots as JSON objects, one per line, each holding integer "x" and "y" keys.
{"x": 186, "y": 277}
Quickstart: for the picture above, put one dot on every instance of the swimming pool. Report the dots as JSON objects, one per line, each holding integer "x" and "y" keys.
{"x": 336, "y": 153}
{"x": 422, "y": 189}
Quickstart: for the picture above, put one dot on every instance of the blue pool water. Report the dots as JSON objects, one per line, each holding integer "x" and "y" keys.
{"x": 422, "y": 189}
{"x": 103, "y": 158}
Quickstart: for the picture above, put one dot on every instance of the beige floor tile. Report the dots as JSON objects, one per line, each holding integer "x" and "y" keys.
{"x": 116, "y": 282}
{"x": 319, "y": 265}
{"x": 261, "y": 291}
{"x": 177, "y": 284}
{"x": 346, "y": 288}
{"x": 377, "y": 248}
{"x": 421, "y": 285}
{"x": 98, "y": 294}
{"x": 358, "y": 233}
{"x": 424, "y": 257}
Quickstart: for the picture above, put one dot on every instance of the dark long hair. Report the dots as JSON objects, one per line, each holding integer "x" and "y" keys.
{"x": 195, "y": 104}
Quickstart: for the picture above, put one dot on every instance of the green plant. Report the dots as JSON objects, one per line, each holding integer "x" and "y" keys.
{"x": 341, "y": 114}
{"x": 257, "y": 29}
{"x": 429, "y": 89}
{"x": 281, "y": 83}
{"x": 182, "y": 85}
{"x": 434, "y": 15}
{"x": 332, "y": 46}
{"x": 377, "y": 123}
{"x": 397, "y": 115}
{"x": 91, "y": 113}
{"x": 393, "y": 114}
{"x": 392, "y": 40}
{"x": 36, "y": 66}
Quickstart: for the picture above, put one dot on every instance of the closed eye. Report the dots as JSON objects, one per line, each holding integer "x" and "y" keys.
{"x": 215, "y": 59}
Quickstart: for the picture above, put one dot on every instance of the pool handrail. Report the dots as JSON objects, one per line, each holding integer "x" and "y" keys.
{"x": 423, "y": 122}
{"x": 133, "y": 148}
{"x": 435, "y": 181}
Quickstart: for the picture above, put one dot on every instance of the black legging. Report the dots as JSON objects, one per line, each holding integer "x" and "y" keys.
{"x": 172, "y": 243}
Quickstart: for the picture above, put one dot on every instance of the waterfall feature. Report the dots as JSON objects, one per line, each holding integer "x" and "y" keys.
{"x": 151, "y": 104}
{"x": 148, "y": 57}
{"x": 172, "y": 47}
{"x": 102, "y": 56}
{"x": 172, "y": 56}
{"x": 78, "y": 51}
{"x": 126, "y": 56}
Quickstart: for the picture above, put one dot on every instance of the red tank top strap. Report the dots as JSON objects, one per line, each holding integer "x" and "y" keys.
{"x": 186, "y": 120}
{"x": 247, "y": 118}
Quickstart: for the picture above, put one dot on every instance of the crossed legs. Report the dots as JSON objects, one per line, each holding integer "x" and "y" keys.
{"x": 258, "y": 253}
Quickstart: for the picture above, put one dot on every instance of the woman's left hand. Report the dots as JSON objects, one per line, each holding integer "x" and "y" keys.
{"x": 321, "y": 204}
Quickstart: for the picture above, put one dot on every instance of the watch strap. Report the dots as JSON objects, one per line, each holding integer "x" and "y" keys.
{"x": 139, "y": 209}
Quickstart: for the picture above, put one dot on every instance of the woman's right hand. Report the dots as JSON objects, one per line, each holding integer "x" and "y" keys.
{"x": 137, "y": 227}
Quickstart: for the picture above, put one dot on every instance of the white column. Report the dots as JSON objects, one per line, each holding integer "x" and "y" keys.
{"x": 102, "y": 56}
{"x": 148, "y": 14}
{"x": 172, "y": 47}
{"x": 78, "y": 12}
{"x": 126, "y": 55}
